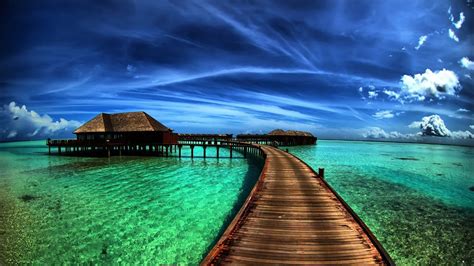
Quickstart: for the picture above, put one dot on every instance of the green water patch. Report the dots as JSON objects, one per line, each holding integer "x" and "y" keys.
{"x": 119, "y": 210}
{"x": 414, "y": 229}
{"x": 422, "y": 211}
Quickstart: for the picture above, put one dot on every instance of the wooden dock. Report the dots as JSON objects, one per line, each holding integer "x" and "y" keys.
{"x": 292, "y": 216}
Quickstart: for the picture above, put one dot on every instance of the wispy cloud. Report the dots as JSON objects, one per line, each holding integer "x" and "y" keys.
{"x": 453, "y": 35}
{"x": 240, "y": 65}
{"x": 421, "y": 41}
{"x": 383, "y": 114}
{"x": 466, "y": 63}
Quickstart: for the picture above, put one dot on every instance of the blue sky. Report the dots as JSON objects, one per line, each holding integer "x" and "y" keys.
{"x": 340, "y": 69}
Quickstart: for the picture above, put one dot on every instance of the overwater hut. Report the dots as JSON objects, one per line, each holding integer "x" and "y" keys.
{"x": 130, "y": 133}
{"x": 280, "y": 137}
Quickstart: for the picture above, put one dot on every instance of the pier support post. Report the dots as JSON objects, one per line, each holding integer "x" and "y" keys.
{"x": 230, "y": 150}
{"x": 59, "y": 149}
{"x": 192, "y": 151}
{"x": 167, "y": 146}
{"x": 321, "y": 172}
{"x": 217, "y": 152}
{"x": 179, "y": 150}
{"x": 49, "y": 150}
{"x": 245, "y": 152}
{"x": 204, "y": 151}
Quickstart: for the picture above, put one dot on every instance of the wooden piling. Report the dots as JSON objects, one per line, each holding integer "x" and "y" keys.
{"x": 321, "y": 172}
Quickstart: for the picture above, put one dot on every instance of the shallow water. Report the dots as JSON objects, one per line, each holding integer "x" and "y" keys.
{"x": 148, "y": 210}
{"x": 57, "y": 210}
{"x": 414, "y": 197}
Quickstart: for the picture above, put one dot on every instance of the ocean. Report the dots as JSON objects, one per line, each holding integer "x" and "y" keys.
{"x": 123, "y": 210}
{"x": 415, "y": 198}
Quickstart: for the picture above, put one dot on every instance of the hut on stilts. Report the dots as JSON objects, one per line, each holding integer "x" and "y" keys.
{"x": 131, "y": 133}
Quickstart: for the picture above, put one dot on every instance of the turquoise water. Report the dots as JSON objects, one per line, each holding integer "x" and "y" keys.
{"x": 415, "y": 198}
{"x": 129, "y": 210}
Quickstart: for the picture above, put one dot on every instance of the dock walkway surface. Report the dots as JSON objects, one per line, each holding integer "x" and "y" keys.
{"x": 292, "y": 216}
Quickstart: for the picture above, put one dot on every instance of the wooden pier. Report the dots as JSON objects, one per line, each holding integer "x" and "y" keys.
{"x": 292, "y": 216}
{"x": 118, "y": 148}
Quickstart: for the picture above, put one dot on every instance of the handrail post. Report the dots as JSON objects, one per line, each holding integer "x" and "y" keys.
{"x": 321, "y": 173}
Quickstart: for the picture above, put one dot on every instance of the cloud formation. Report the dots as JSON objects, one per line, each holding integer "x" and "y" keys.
{"x": 430, "y": 84}
{"x": 372, "y": 94}
{"x": 383, "y": 114}
{"x": 421, "y": 41}
{"x": 466, "y": 63}
{"x": 462, "y": 134}
{"x": 452, "y": 35}
{"x": 458, "y": 24}
{"x": 433, "y": 125}
{"x": 20, "y": 123}
{"x": 378, "y": 133}
{"x": 429, "y": 126}
{"x": 240, "y": 66}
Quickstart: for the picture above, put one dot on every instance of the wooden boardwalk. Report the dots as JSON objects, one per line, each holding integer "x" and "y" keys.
{"x": 293, "y": 217}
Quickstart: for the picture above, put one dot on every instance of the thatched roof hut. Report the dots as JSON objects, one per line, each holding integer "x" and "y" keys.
{"x": 122, "y": 122}
{"x": 281, "y": 132}
{"x": 281, "y": 137}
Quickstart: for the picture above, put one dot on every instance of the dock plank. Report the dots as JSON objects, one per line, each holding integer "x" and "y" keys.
{"x": 292, "y": 216}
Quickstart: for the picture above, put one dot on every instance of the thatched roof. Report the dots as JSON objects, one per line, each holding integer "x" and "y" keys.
{"x": 122, "y": 122}
{"x": 281, "y": 132}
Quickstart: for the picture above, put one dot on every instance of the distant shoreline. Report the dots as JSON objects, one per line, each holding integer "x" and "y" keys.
{"x": 400, "y": 142}
{"x": 349, "y": 140}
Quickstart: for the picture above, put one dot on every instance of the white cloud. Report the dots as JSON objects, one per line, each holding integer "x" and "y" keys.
{"x": 12, "y": 134}
{"x": 453, "y": 36}
{"x": 20, "y": 123}
{"x": 459, "y": 23}
{"x": 433, "y": 125}
{"x": 436, "y": 84}
{"x": 421, "y": 41}
{"x": 392, "y": 94}
{"x": 373, "y": 94}
{"x": 466, "y": 63}
{"x": 383, "y": 114}
{"x": 361, "y": 89}
{"x": 378, "y": 133}
{"x": 462, "y": 135}
{"x": 471, "y": 126}
{"x": 462, "y": 110}
{"x": 131, "y": 68}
